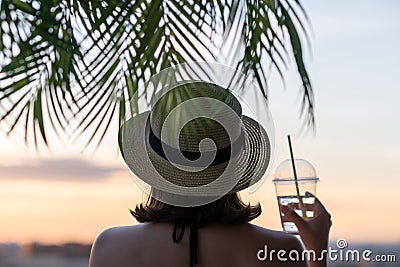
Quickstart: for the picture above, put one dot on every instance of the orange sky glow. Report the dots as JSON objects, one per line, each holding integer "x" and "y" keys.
{"x": 73, "y": 211}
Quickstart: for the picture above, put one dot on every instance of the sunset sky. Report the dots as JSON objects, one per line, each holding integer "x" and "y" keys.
{"x": 63, "y": 195}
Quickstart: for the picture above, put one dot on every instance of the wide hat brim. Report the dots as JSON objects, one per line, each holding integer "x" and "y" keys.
{"x": 244, "y": 169}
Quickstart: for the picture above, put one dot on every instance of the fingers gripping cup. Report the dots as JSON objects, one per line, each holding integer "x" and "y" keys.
{"x": 290, "y": 192}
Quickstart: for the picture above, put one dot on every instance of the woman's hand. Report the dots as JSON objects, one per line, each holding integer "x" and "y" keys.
{"x": 314, "y": 231}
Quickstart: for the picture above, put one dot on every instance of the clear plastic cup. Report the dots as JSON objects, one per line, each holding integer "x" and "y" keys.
{"x": 287, "y": 192}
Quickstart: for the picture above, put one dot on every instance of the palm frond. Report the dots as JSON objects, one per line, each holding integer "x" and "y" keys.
{"x": 39, "y": 54}
{"x": 75, "y": 65}
{"x": 271, "y": 33}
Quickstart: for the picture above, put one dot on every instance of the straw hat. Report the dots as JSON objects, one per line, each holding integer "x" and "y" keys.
{"x": 195, "y": 143}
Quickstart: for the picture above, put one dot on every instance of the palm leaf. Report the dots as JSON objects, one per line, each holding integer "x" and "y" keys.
{"x": 75, "y": 65}
{"x": 40, "y": 57}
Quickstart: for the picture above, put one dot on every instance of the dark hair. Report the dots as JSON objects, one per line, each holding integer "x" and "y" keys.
{"x": 229, "y": 209}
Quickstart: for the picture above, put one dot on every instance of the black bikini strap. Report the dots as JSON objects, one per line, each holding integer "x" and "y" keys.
{"x": 192, "y": 241}
{"x": 175, "y": 238}
{"x": 193, "y": 245}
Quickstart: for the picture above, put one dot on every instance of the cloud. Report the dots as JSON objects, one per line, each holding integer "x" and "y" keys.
{"x": 58, "y": 169}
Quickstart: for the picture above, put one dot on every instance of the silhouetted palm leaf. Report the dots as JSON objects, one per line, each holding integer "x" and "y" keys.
{"x": 75, "y": 64}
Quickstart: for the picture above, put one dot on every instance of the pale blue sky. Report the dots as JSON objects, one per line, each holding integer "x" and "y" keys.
{"x": 356, "y": 76}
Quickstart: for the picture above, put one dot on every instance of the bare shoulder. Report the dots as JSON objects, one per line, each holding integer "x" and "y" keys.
{"x": 114, "y": 246}
{"x": 269, "y": 243}
{"x": 243, "y": 243}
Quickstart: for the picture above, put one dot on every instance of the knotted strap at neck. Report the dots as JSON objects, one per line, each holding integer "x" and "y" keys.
{"x": 193, "y": 240}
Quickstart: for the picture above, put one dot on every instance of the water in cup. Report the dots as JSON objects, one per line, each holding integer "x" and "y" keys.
{"x": 288, "y": 191}
{"x": 290, "y": 227}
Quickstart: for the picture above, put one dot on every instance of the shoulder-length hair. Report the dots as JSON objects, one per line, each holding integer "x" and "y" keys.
{"x": 229, "y": 209}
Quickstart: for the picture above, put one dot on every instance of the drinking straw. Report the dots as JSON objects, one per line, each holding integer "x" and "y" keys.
{"x": 295, "y": 179}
